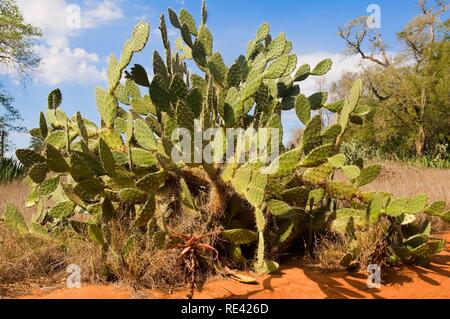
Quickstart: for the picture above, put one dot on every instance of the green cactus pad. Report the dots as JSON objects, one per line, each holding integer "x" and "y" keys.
{"x": 14, "y": 219}
{"x": 88, "y": 189}
{"x": 276, "y": 47}
{"x": 144, "y": 135}
{"x": 297, "y": 196}
{"x": 107, "y": 106}
{"x": 322, "y": 68}
{"x": 285, "y": 164}
{"x": 80, "y": 168}
{"x": 267, "y": 267}
{"x": 342, "y": 191}
{"x": 95, "y": 234}
{"x": 29, "y": 158}
{"x": 143, "y": 158}
{"x": 205, "y": 39}
{"x": 416, "y": 204}
{"x": 347, "y": 220}
{"x": 335, "y": 107}
{"x": 317, "y": 156}
{"x": 436, "y": 209}
{"x": 218, "y": 68}
{"x": 277, "y": 68}
{"x": 303, "y": 109}
{"x": 367, "y": 175}
{"x": 38, "y": 172}
{"x": 396, "y": 207}
{"x": 263, "y": 32}
{"x": 187, "y": 19}
{"x": 133, "y": 196}
{"x": 331, "y": 133}
{"x": 43, "y": 125}
{"x": 302, "y": 73}
{"x": 55, "y": 160}
{"x": 108, "y": 210}
{"x": 285, "y": 231}
{"x": 58, "y": 139}
{"x": 107, "y": 158}
{"x": 337, "y": 161}
{"x": 240, "y": 236}
{"x": 292, "y": 64}
{"x": 54, "y": 99}
{"x": 150, "y": 183}
{"x": 140, "y": 36}
{"x": 62, "y": 210}
{"x": 113, "y": 139}
{"x": 49, "y": 186}
{"x": 318, "y": 100}
{"x": 377, "y": 204}
{"x": 280, "y": 209}
{"x": 145, "y": 214}
{"x": 235, "y": 253}
{"x": 311, "y": 135}
{"x": 351, "y": 171}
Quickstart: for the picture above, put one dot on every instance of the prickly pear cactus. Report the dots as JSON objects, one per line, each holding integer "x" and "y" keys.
{"x": 123, "y": 167}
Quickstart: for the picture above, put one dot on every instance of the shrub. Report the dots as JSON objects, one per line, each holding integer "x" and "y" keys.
{"x": 358, "y": 152}
{"x": 10, "y": 170}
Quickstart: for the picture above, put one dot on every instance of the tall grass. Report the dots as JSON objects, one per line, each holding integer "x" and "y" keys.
{"x": 10, "y": 170}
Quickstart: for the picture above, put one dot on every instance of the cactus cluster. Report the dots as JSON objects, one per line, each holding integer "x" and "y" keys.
{"x": 123, "y": 167}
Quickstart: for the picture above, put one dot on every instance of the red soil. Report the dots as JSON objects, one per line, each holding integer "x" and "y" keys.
{"x": 300, "y": 283}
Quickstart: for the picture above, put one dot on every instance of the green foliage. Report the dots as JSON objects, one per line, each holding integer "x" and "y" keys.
{"x": 357, "y": 152}
{"x": 124, "y": 166}
{"x": 407, "y": 93}
{"x": 10, "y": 170}
{"x": 18, "y": 58}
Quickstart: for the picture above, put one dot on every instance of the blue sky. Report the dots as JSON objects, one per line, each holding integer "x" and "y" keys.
{"x": 74, "y": 60}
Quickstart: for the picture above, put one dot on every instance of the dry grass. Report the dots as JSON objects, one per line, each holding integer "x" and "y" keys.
{"x": 15, "y": 193}
{"x": 28, "y": 258}
{"x": 25, "y": 258}
{"x": 368, "y": 249}
{"x": 405, "y": 180}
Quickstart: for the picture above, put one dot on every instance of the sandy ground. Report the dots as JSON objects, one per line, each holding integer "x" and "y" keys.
{"x": 298, "y": 283}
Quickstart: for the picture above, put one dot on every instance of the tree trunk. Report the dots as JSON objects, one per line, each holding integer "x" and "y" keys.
{"x": 420, "y": 142}
{"x": 420, "y": 139}
{"x": 2, "y": 141}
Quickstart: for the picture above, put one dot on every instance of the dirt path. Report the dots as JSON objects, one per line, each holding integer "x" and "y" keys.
{"x": 299, "y": 283}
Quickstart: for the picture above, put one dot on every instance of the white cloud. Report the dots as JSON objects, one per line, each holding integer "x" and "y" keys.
{"x": 100, "y": 13}
{"x": 51, "y": 16}
{"x": 69, "y": 65}
{"x": 56, "y": 18}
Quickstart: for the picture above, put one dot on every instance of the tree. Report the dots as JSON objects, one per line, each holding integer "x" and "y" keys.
{"x": 410, "y": 87}
{"x": 8, "y": 121}
{"x": 17, "y": 57}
